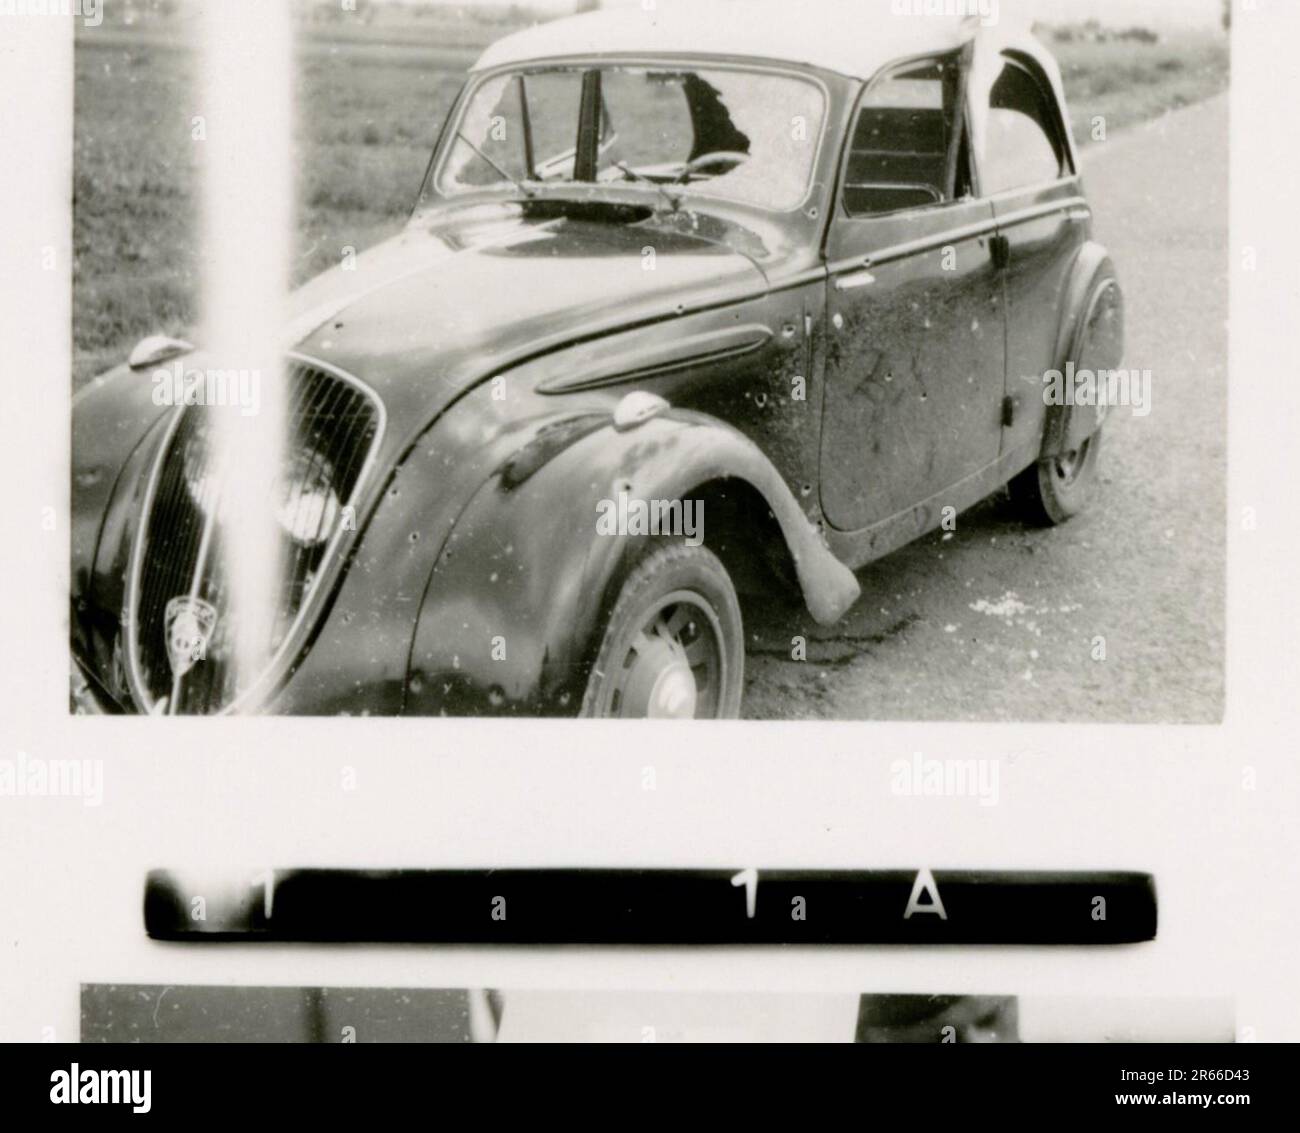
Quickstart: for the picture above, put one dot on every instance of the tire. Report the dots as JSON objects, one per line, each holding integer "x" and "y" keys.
{"x": 674, "y": 642}
{"x": 1058, "y": 488}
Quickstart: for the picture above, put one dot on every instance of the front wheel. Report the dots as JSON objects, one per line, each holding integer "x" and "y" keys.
{"x": 674, "y": 645}
{"x": 1059, "y": 487}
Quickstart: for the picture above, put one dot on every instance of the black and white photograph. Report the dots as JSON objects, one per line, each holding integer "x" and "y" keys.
{"x": 473, "y": 1015}
{"x": 684, "y": 521}
{"x": 651, "y": 362}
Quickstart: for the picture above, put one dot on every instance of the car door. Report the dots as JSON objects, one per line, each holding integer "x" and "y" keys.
{"x": 1025, "y": 169}
{"x": 915, "y": 364}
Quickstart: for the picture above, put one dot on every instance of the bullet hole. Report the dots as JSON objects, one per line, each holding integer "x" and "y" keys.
{"x": 414, "y": 536}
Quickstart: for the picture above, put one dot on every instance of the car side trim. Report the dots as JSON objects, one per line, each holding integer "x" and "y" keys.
{"x": 954, "y": 235}
{"x": 1034, "y": 212}
{"x": 627, "y": 361}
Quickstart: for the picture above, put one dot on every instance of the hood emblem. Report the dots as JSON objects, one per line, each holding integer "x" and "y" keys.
{"x": 188, "y": 623}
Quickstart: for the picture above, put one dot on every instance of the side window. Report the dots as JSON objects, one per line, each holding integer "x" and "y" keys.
{"x": 1024, "y": 141}
{"x": 901, "y": 148}
{"x": 495, "y": 138}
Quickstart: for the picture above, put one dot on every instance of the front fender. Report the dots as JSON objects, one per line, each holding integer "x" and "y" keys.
{"x": 113, "y": 419}
{"x": 514, "y": 603}
{"x": 358, "y": 659}
{"x": 1092, "y": 338}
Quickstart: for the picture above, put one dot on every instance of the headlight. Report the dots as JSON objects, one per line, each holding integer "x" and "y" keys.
{"x": 199, "y": 479}
{"x": 306, "y": 505}
{"x": 309, "y": 507}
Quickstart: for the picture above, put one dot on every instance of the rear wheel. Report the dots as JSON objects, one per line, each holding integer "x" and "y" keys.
{"x": 1058, "y": 488}
{"x": 674, "y": 645}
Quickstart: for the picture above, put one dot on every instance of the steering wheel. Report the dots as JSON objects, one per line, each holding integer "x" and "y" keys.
{"x": 731, "y": 158}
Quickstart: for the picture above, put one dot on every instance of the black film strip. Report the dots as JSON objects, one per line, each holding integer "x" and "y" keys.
{"x": 655, "y": 906}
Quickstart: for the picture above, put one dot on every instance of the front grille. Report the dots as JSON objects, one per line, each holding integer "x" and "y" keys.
{"x": 332, "y": 425}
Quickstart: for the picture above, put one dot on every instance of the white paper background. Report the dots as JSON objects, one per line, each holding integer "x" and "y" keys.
{"x": 432, "y": 792}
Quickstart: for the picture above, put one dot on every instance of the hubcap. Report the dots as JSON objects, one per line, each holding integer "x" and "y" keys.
{"x": 672, "y": 668}
{"x": 660, "y": 684}
{"x": 1067, "y": 467}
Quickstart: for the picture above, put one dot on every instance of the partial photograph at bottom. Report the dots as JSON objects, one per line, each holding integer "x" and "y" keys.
{"x": 145, "y": 1013}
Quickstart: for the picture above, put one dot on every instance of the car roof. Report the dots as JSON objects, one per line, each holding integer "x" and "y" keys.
{"x": 854, "y": 38}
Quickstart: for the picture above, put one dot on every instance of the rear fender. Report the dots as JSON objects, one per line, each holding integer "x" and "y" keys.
{"x": 1091, "y": 338}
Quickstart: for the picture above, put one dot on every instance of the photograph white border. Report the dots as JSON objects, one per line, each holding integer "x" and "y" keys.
{"x": 1170, "y": 800}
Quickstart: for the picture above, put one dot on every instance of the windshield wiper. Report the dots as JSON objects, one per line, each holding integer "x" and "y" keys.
{"x": 674, "y": 203}
{"x": 524, "y": 189}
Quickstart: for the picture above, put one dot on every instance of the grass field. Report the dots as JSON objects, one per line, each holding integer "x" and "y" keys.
{"x": 369, "y": 110}
{"x": 1127, "y": 83}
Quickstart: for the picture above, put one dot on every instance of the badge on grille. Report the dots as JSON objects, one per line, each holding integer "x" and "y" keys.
{"x": 188, "y": 623}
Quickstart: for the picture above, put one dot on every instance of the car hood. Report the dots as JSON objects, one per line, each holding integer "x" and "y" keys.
{"x": 457, "y": 297}
{"x": 448, "y": 302}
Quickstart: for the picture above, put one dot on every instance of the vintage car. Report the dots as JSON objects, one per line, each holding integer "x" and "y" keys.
{"x": 692, "y": 303}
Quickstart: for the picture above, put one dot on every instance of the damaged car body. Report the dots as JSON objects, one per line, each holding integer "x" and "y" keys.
{"x": 804, "y": 282}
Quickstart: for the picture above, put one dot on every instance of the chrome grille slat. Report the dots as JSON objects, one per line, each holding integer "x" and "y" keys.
{"x": 333, "y": 426}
